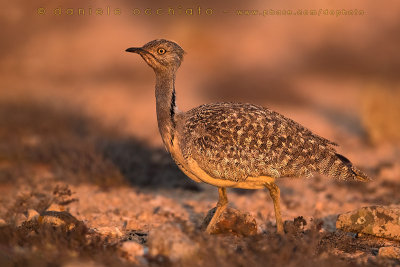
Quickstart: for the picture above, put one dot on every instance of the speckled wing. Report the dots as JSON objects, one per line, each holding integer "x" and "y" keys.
{"x": 234, "y": 141}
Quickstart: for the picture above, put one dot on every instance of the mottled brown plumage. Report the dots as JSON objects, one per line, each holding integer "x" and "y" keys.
{"x": 233, "y": 144}
{"x": 234, "y": 141}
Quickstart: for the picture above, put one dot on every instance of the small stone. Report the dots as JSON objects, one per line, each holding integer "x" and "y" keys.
{"x": 132, "y": 250}
{"x": 58, "y": 219}
{"x": 380, "y": 221}
{"x": 389, "y": 252}
{"x": 2, "y": 223}
{"x": 33, "y": 215}
{"x": 109, "y": 231}
{"x": 232, "y": 221}
{"x": 170, "y": 241}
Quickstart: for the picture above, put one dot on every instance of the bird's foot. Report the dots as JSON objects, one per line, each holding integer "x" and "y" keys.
{"x": 212, "y": 219}
{"x": 279, "y": 229}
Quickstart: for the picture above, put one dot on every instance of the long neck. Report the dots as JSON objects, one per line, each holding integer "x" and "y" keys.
{"x": 165, "y": 102}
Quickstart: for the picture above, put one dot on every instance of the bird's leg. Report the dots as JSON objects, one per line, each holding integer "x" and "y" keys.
{"x": 275, "y": 195}
{"x": 221, "y": 205}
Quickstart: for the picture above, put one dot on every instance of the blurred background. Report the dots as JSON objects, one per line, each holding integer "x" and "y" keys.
{"x": 77, "y": 110}
{"x": 335, "y": 74}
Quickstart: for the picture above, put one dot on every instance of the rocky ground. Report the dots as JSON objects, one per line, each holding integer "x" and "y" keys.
{"x": 74, "y": 192}
{"x": 85, "y": 180}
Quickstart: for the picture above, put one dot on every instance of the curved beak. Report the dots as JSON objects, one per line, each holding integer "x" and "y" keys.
{"x": 137, "y": 50}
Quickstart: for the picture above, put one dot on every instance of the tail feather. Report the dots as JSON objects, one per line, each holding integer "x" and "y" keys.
{"x": 355, "y": 174}
{"x": 359, "y": 175}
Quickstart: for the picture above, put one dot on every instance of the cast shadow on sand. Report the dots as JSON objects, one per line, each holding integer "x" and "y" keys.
{"x": 40, "y": 140}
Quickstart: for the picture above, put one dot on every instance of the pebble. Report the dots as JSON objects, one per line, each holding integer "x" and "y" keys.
{"x": 33, "y": 215}
{"x": 2, "y": 223}
{"x": 108, "y": 231}
{"x": 58, "y": 219}
{"x": 232, "y": 221}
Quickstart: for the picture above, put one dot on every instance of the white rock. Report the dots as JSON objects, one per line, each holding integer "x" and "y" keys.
{"x": 33, "y": 215}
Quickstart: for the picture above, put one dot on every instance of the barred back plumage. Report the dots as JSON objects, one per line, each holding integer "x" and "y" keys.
{"x": 234, "y": 141}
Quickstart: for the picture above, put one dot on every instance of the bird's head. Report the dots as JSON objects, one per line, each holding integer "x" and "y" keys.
{"x": 162, "y": 55}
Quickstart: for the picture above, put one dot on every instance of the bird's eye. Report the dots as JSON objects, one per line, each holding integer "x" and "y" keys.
{"x": 161, "y": 51}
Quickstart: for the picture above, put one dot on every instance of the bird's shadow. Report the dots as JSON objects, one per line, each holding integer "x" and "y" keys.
{"x": 77, "y": 149}
{"x": 144, "y": 166}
